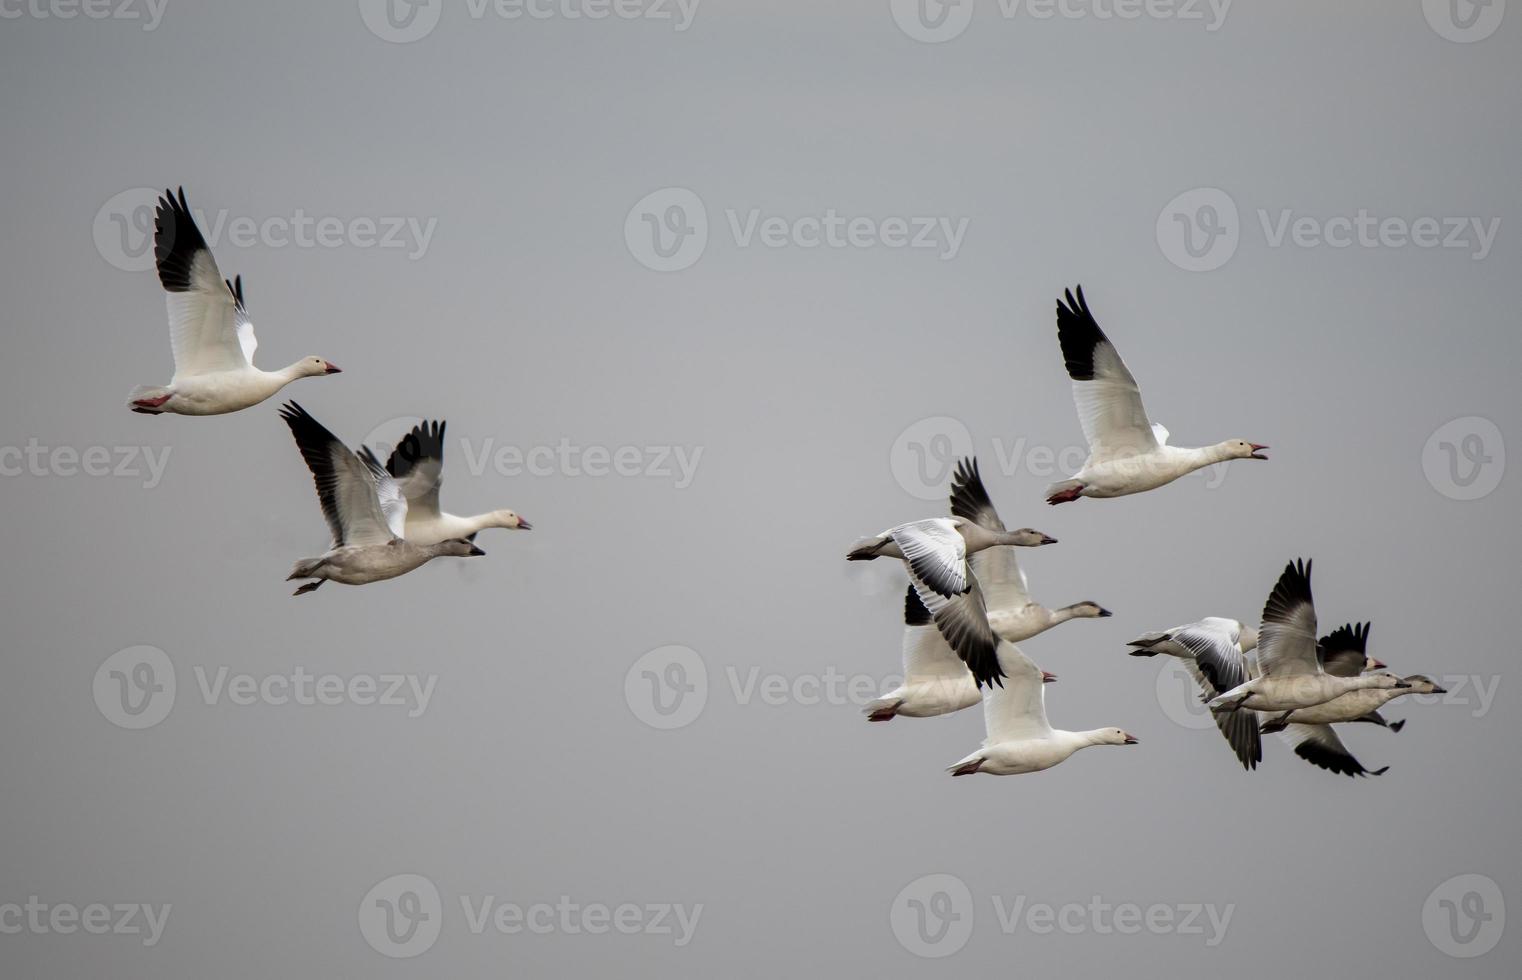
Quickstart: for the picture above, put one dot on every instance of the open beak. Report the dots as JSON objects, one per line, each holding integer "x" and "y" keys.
{"x": 1131, "y": 739}
{"x": 332, "y": 368}
{"x": 1047, "y": 677}
{"x": 1256, "y": 449}
{"x": 524, "y": 525}
{"x": 1048, "y": 539}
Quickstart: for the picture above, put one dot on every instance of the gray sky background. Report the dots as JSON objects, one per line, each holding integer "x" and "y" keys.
{"x": 528, "y": 319}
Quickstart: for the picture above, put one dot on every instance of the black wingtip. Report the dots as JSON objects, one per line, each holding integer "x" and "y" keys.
{"x": 176, "y": 240}
{"x": 1079, "y": 334}
{"x": 425, "y": 441}
{"x": 1350, "y": 636}
{"x": 1292, "y": 589}
{"x": 969, "y": 497}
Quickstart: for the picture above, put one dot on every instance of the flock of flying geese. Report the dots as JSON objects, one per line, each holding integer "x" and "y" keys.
{"x": 385, "y": 519}
{"x": 968, "y": 604}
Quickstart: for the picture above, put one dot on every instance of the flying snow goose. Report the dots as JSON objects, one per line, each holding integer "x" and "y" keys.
{"x": 935, "y": 552}
{"x": 936, "y": 549}
{"x": 1020, "y": 739}
{"x": 209, "y": 329}
{"x": 936, "y": 682}
{"x": 1344, "y": 654}
{"x": 1320, "y": 745}
{"x": 1214, "y": 652}
{"x": 417, "y": 465}
{"x": 1291, "y": 675}
{"x": 1012, "y": 613}
{"x": 1127, "y": 453}
{"x": 365, "y": 510}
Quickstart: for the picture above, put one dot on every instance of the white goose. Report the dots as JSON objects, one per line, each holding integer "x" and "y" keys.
{"x": 365, "y": 511}
{"x": 1309, "y": 732}
{"x": 1214, "y": 651}
{"x": 417, "y": 465}
{"x": 935, "y": 552}
{"x": 1291, "y": 675}
{"x": 209, "y": 329}
{"x": 1012, "y": 613}
{"x": 1127, "y": 453}
{"x": 936, "y": 682}
{"x": 1020, "y": 739}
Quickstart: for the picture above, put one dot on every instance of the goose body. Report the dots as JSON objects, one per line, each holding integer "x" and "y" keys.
{"x": 365, "y": 511}
{"x": 1019, "y": 738}
{"x": 1344, "y": 653}
{"x": 1291, "y": 675}
{"x": 417, "y": 465}
{"x": 1360, "y": 705}
{"x": 1127, "y": 452}
{"x": 363, "y": 564}
{"x": 1012, "y": 614}
{"x": 209, "y": 329}
{"x": 936, "y": 681}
